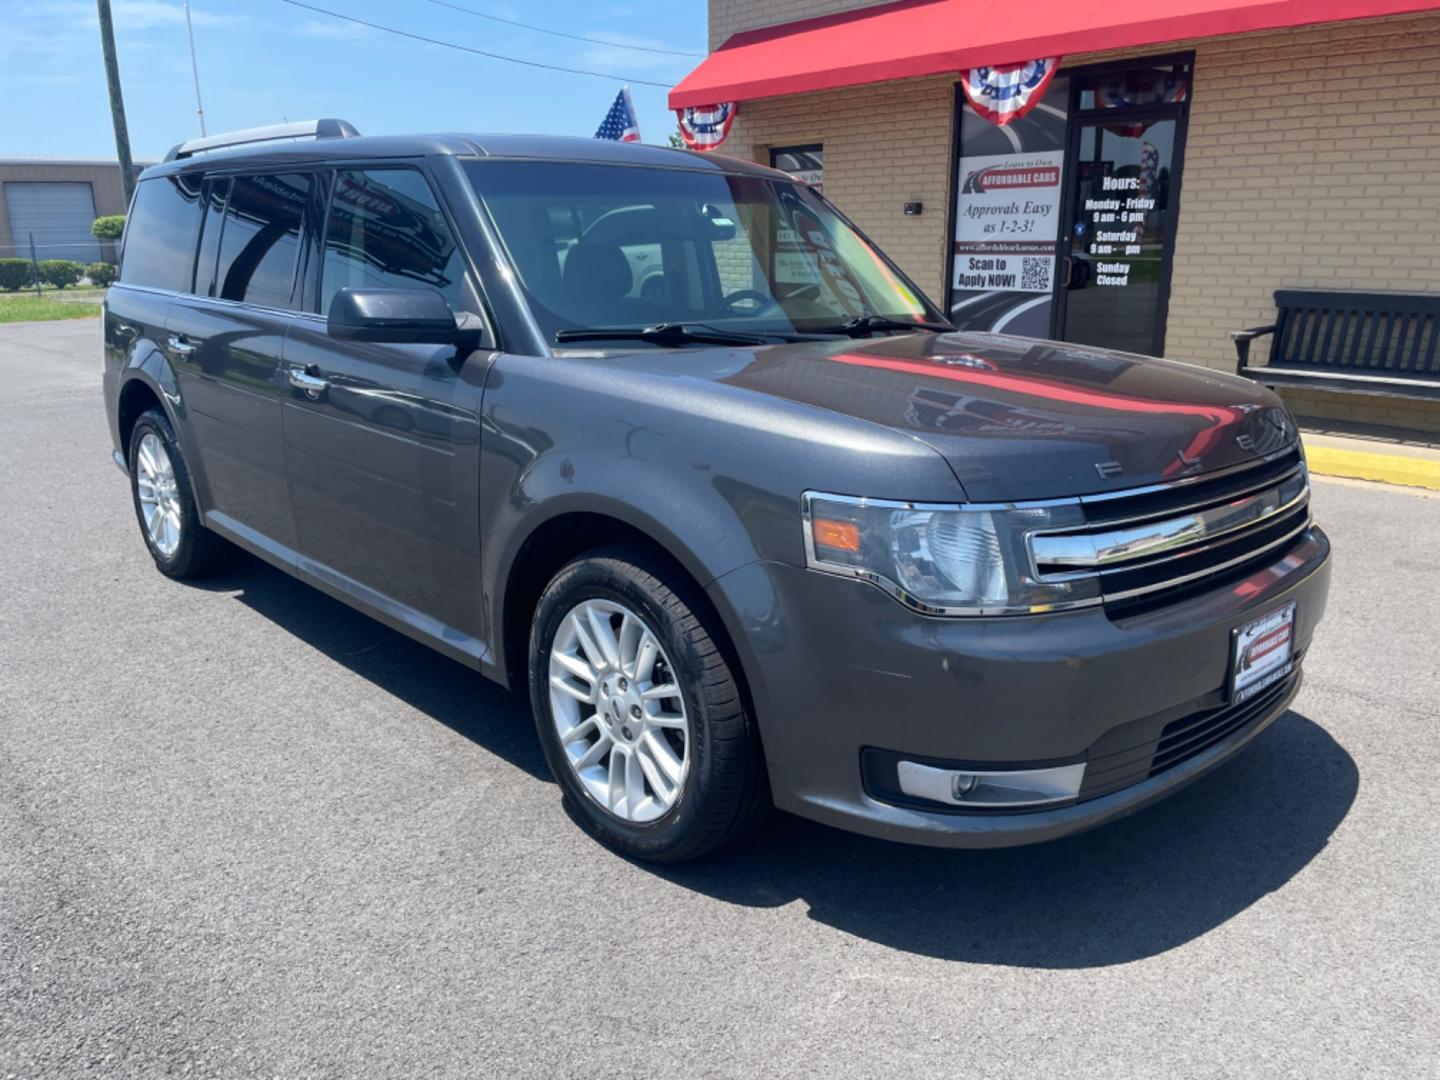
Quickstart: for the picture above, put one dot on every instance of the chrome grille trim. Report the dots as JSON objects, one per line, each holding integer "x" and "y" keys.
{"x": 1145, "y": 536}
{"x": 1220, "y": 568}
{"x": 1183, "y": 508}
{"x": 1136, "y": 545}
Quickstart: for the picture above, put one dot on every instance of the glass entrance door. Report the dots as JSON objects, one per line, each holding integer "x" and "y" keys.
{"x": 1118, "y": 234}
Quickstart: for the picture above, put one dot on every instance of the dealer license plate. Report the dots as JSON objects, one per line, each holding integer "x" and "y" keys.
{"x": 1263, "y": 653}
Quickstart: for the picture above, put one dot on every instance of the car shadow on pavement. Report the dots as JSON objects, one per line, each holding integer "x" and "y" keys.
{"x": 446, "y": 691}
{"x": 1124, "y": 891}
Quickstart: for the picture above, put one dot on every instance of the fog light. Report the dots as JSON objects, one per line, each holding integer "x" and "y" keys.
{"x": 987, "y": 790}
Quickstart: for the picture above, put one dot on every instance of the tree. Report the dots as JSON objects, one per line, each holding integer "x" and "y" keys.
{"x": 109, "y": 227}
{"x": 676, "y": 140}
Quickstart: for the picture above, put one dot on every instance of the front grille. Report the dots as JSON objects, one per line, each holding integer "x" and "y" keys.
{"x": 1150, "y": 547}
{"x": 1143, "y": 748}
{"x": 1183, "y": 739}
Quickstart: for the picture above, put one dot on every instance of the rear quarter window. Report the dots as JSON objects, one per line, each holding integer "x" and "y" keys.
{"x": 160, "y": 233}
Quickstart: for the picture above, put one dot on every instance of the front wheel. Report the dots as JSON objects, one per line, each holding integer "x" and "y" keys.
{"x": 638, "y": 711}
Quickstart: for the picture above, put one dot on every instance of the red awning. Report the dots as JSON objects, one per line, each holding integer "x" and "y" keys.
{"x": 930, "y": 37}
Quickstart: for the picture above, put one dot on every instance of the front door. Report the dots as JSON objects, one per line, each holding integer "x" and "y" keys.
{"x": 382, "y": 441}
{"x": 1118, "y": 228}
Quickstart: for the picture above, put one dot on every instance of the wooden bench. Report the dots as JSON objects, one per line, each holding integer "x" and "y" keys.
{"x": 1350, "y": 341}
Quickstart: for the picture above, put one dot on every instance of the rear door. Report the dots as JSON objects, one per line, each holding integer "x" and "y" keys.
{"x": 384, "y": 455}
{"x": 156, "y": 264}
{"x": 225, "y": 344}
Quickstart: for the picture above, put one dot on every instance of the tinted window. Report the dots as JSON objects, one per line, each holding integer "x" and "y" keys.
{"x": 160, "y": 233}
{"x": 216, "y": 192}
{"x": 260, "y": 242}
{"x": 386, "y": 231}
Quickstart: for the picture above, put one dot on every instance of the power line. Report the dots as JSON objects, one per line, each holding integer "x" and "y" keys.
{"x": 468, "y": 49}
{"x": 561, "y": 33}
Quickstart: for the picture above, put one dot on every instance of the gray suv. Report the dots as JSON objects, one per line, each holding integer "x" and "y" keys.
{"x": 759, "y": 529}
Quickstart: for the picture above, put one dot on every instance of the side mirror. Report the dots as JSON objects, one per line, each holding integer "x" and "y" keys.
{"x": 418, "y": 316}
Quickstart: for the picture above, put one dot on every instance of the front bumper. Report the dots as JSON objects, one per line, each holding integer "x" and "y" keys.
{"x": 837, "y": 669}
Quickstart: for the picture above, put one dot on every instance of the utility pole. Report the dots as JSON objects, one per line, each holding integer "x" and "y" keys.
{"x": 117, "y": 102}
{"x": 194, "y": 68}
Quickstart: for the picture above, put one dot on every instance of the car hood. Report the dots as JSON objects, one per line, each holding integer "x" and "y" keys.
{"x": 1018, "y": 418}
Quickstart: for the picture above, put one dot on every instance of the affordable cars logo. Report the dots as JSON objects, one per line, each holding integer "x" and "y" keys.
{"x": 1011, "y": 178}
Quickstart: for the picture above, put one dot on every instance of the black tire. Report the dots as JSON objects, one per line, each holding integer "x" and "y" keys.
{"x": 725, "y": 791}
{"x": 199, "y": 551}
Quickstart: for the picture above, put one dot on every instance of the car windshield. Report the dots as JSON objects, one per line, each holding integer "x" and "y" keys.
{"x": 614, "y": 246}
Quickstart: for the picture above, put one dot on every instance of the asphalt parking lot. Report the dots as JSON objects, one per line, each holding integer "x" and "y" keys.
{"x": 245, "y": 831}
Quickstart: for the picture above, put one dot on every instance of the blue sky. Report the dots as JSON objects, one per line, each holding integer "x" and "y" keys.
{"x": 264, "y": 60}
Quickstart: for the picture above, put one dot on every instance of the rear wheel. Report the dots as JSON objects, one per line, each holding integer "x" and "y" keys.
{"x": 164, "y": 505}
{"x": 639, "y": 713}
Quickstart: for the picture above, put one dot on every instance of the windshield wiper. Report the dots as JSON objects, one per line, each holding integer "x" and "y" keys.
{"x": 865, "y": 325}
{"x": 665, "y": 333}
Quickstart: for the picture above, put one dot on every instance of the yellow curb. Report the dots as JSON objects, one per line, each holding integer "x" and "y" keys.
{"x": 1386, "y": 468}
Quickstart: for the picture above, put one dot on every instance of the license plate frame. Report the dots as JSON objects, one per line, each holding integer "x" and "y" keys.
{"x": 1262, "y": 653}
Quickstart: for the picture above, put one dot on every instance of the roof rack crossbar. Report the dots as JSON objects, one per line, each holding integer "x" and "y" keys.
{"x": 299, "y": 129}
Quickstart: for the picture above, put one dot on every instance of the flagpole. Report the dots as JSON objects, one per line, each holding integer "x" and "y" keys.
{"x": 194, "y": 68}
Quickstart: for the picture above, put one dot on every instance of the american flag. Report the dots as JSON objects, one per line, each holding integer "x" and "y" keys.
{"x": 620, "y": 123}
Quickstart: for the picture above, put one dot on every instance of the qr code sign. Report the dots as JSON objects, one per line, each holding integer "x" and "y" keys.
{"x": 1035, "y": 274}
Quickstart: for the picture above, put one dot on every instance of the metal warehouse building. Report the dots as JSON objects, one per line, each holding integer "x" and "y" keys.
{"x": 55, "y": 201}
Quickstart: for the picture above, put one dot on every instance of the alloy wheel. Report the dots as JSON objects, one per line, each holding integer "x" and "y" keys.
{"x": 618, "y": 710}
{"x": 158, "y": 493}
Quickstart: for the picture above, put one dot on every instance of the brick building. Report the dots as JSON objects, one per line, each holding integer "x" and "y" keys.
{"x": 1280, "y": 144}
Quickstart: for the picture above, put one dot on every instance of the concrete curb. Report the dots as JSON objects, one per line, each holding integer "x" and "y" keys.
{"x": 1422, "y": 472}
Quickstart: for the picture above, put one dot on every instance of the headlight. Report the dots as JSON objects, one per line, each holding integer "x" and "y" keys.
{"x": 941, "y": 559}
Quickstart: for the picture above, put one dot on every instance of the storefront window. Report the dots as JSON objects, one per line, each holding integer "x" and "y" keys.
{"x": 805, "y": 163}
{"x": 1065, "y": 218}
{"x": 1134, "y": 87}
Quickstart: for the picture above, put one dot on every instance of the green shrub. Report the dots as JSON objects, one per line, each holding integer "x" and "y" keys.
{"x": 60, "y": 272}
{"x": 101, "y": 274}
{"x": 15, "y": 274}
{"x": 109, "y": 227}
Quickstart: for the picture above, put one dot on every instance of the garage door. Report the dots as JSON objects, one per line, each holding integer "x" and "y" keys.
{"x": 59, "y": 216}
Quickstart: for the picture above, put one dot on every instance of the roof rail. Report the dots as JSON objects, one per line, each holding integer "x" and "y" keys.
{"x": 300, "y": 129}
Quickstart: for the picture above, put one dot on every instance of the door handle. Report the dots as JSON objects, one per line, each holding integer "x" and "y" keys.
{"x": 181, "y": 346}
{"x": 313, "y": 385}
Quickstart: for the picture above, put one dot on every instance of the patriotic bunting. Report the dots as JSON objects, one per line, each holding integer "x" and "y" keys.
{"x": 1007, "y": 92}
{"x": 705, "y": 127}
